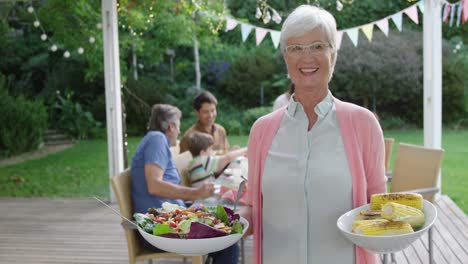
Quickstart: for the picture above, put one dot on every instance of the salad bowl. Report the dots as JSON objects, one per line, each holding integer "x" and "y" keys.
{"x": 194, "y": 247}
{"x": 384, "y": 244}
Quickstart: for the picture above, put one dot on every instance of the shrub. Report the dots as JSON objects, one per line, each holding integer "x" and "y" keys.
{"x": 247, "y": 75}
{"x": 75, "y": 121}
{"x": 23, "y": 123}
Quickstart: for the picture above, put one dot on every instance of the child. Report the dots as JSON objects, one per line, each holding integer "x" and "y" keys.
{"x": 205, "y": 166}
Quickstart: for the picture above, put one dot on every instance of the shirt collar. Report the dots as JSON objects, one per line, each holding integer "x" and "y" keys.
{"x": 321, "y": 109}
{"x": 199, "y": 127}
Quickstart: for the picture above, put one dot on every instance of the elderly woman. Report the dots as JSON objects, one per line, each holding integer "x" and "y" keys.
{"x": 312, "y": 160}
{"x": 154, "y": 176}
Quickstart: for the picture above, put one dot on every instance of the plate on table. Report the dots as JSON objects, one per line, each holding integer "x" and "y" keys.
{"x": 194, "y": 247}
{"x": 384, "y": 244}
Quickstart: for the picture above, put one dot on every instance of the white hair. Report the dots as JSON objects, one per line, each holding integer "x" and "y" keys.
{"x": 306, "y": 18}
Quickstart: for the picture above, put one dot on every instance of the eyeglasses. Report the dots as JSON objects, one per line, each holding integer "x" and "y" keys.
{"x": 314, "y": 48}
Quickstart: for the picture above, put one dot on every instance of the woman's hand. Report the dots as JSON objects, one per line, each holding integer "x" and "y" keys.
{"x": 205, "y": 191}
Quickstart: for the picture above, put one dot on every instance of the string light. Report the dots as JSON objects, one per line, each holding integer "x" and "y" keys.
{"x": 263, "y": 12}
{"x": 54, "y": 47}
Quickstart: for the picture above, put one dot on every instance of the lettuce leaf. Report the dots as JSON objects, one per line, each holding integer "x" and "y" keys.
{"x": 160, "y": 229}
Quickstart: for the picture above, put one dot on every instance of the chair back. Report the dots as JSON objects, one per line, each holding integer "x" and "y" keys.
{"x": 182, "y": 162}
{"x": 416, "y": 167}
{"x": 388, "y": 152}
{"x": 175, "y": 150}
{"x": 122, "y": 189}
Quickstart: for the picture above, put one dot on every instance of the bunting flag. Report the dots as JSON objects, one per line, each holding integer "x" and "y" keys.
{"x": 383, "y": 25}
{"x": 465, "y": 10}
{"x": 230, "y": 24}
{"x": 412, "y": 13}
{"x": 339, "y": 37}
{"x": 450, "y": 12}
{"x": 353, "y": 34}
{"x": 367, "y": 30}
{"x": 397, "y": 19}
{"x": 245, "y": 30}
{"x": 275, "y": 37}
{"x": 260, "y": 34}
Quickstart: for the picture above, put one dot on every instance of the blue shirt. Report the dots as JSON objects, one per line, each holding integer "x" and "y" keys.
{"x": 152, "y": 149}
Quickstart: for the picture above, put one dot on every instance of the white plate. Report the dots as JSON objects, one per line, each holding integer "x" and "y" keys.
{"x": 194, "y": 247}
{"x": 384, "y": 244}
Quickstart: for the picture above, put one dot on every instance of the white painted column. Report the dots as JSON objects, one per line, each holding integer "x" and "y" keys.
{"x": 112, "y": 84}
{"x": 432, "y": 75}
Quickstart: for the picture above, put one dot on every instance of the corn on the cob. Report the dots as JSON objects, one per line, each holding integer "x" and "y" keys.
{"x": 379, "y": 228}
{"x": 410, "y": 199}
{"x": 399, "y": 212}
{"x": 369, "y": 215}
{"x": 359, "y": 223}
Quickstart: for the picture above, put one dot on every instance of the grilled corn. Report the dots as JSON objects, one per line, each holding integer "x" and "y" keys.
{"x": 360, "y": 223}
{"x": 369, "y": 215}
{"x": 379, "y": 228}
{"x": 403, "y": 213}
{"x": 410, "y": 199}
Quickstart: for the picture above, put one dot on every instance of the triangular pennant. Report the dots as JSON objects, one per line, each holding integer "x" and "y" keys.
{"x": 452, "y": 14}
{"x": 412, "y": 13}
{"x": 397, "y": 19}
{"x": 353, "y": 34}
{"x": 367, "y": 29}
{"x": 260, "y": 34}
{"x": 275, "y": 37}
{"x": 421, "y": 6}
{"x": 230, "y": 24}
{"x": 339, "y": 37}
{"x": 465, "y": 10}
{"x": 245, "y": 30}
{"x": 445, "y": 14}
{"x": 459, "y": 14}
{"x": 383, "y": 25}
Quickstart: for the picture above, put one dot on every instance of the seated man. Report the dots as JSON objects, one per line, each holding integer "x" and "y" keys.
{"x": 154, "y": 176}
{"x": 205, "y": 166}
{"x": 205, "y": 108}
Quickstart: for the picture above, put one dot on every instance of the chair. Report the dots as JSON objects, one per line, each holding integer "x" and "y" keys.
{"x": 136, "y": 252}
{"x": 182, "y": 163}
{"x": 416, "y": 169}
{"x": 388, "y": 152}
{"x": 175, "y": 150}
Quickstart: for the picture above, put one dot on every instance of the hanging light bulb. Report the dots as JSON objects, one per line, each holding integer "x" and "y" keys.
{"x": 339, "y": 5}
{"x": 276, "y": 17}
{"x": 258, "y": 13}
{"x": 267, "y": 17}
{"x": 99, "y": 25}
{"x": 53, "y": 48}
{"x": 30, "y": 9}
{"x": 92, "y": 39}
{"x": 44, "y": 37}
{"x": 80, "y": 50}
{"x": 66, "y": 54}
{"x": 36, "y": 23}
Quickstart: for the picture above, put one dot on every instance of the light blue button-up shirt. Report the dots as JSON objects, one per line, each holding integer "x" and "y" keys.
{"x": 306, "y": 186}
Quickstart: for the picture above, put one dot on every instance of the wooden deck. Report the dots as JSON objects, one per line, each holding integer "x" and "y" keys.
{"x": 41, "y": 230}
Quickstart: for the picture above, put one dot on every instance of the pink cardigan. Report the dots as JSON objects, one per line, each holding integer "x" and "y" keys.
{"x": 364, "y": 147}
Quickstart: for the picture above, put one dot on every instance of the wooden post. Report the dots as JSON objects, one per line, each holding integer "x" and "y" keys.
{"x": 112, "y": 84}
{"x": 432, "y": 34}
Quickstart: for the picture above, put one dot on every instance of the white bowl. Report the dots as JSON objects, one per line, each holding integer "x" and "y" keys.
{"x": 194, "y": 247}
{"x": 384, "y": 244}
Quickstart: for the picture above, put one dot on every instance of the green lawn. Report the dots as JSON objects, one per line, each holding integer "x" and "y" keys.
{"x": 81, "y": 171}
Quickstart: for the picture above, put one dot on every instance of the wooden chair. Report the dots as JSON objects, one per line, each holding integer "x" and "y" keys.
{"x": 416, "y": 169}
{"x": 136, "y": 251}
{"x": 182, "y": 163}
{"x": 388, "y": 152}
